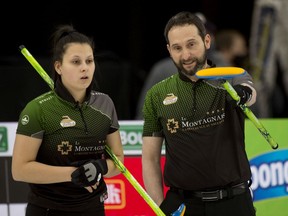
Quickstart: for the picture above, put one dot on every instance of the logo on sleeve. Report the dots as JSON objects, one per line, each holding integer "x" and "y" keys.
{"x": 25, "y": 120}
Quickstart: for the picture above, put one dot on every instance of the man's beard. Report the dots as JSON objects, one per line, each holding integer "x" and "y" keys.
{"x": 200, "y": 63}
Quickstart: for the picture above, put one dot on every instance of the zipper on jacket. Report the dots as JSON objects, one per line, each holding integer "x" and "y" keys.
{"x": 82, "y": 116}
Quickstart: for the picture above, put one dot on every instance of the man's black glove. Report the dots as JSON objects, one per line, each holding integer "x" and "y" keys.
{"x": 89, "y": 173}
{"x": 244, "y": 92}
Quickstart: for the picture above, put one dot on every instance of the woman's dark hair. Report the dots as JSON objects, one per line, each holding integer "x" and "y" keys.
{"x": 64, "y": 35}
{"x": 185, "y": 18}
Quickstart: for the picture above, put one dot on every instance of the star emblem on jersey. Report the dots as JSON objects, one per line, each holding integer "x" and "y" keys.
{"x": 172, "y": 125}
{"x": 64, "y": 148}
{"x": 170, "y": 99}
{"x": 67, "y": 122}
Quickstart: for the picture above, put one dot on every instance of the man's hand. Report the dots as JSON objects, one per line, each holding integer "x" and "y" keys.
{"x": 244, "y": 92}
{"x": 90, "y": 173}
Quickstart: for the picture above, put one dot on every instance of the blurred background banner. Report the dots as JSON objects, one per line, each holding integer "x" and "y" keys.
{"x": 130, "y": 45}
{"x": 269, "y": 168}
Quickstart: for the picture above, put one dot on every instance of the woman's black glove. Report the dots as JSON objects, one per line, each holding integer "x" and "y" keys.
{"x": 89, "y": 173}
{"x": 244, "y": 92}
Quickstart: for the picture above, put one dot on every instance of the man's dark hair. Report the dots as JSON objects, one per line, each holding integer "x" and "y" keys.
{"x": 185, "y": 18}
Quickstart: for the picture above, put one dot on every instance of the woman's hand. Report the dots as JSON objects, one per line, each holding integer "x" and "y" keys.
{"x": 92, "y": 187}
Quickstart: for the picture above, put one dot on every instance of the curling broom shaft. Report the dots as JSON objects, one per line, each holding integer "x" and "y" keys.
{"x": 37, "y": 66}
{"x": 251, "y": 115}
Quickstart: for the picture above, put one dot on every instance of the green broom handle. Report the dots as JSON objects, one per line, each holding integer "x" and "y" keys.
{"x": 248, "y": 112}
